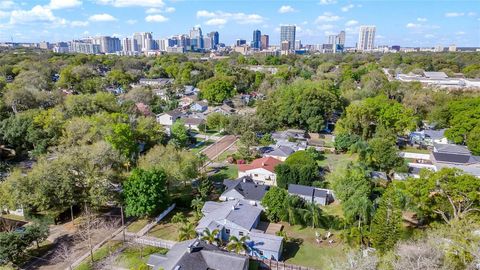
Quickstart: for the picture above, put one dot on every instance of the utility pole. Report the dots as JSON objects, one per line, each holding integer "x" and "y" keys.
{"x": 123, "y": 222}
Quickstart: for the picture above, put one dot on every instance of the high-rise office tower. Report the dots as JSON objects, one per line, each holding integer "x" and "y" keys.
{"x": 208, "y": 42}
{"x": 143, "y": 41}
{"x": 215, "y": 38}
{"x": 298, "y": 44}
{"x": 196, "y": 38}
{"x": 127, "y": 45}
{"x": 241, "y": 42}
{"x": 366, "y": 38}
{"x": 332, "y": 39}
{"x": 287, "y": 33}
{"x": 107, "y": 44}
{"x": 341, "y": 38}
{"x": 256, "y": 40}
{"x": 265, "y": 42}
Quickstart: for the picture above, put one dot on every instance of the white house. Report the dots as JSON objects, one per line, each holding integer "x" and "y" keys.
{"x": 261, "y": 170}
{"x": 168, "y": 118}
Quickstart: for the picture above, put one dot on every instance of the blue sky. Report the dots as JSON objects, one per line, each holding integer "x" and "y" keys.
{"x": 405, "y": 23}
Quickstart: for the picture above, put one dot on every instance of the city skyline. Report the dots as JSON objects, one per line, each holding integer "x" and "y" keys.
{"x": 444, "y": 23}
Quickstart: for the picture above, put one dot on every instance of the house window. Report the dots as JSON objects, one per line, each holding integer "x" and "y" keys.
{"x": 240, "y": 233}
{"x": 227, "y": 231}
{"x": 260, "y": 252}
{"x": 256, "y": 175}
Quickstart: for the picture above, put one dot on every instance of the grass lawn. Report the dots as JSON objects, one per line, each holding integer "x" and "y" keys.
{"x": 412, "y": 149}
{"x": 334, "y": 209}
{"x": 100, "y": 254}
{"x": 223, "y": 156}
{"x": 201, "y": 146}
{"x": 333, "y": 161}
{"x": 306, "y": 251}
{"x": 228, "y": 172}
{"x": 133, "y": 257}
{"x": 137, "y": 225}
{"x": 167, "y": 230}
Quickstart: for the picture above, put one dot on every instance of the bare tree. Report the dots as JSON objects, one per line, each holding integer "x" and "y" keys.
{"x": 64, "y": 253}
{"x": 357, "y": 261}
{"x": 424, "y": 254}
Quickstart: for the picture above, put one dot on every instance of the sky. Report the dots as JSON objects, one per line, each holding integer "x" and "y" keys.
{"x": 406, "y": 23}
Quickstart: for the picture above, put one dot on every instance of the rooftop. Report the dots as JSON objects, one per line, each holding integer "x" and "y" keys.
{"x": 197, "y": 255}
{"x": 238, "y": 212}
{"x": 247, "y": 188}
{"x": 267, "y": 163}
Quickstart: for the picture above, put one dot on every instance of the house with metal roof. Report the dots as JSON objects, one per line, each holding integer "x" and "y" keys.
{"x": 452, "y": 153}
{"x": 239, "y": 218}
{"x": 315, "y": 195}
{"x": 197, "y": 255}
{"x": 244, "y": 188}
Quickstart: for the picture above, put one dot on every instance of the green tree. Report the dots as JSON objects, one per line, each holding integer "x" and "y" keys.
{"x": 273, "y": 201}
{"x": 299, "y": 168}
{"x": 197, "y": 205}
{"x": 145, "y": 192}
{"x": 123, "y": 140}
{"x": 344, "y": 141}
{"x": 382, "y": 154}
{"x": 217, "y": 89}
{"x": 211, "y": 237}
{"x": 238, "y": 245}
{"x": 217, "y": 120}
{"x": 37, "y": 233}
{"x": 179, "y": 217}
{"x": 179, "y": 134}
{"x": 187, "y": 231}
{"x": 387, "y": 222}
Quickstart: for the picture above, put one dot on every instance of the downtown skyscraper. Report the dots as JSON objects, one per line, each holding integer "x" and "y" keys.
{"x": 366, "y": 38}
{"x": 257, "y": 39}
{"x": 287, "y": 33}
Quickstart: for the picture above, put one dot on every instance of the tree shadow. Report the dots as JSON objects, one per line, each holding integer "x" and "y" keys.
{"x": 291, "y": 247}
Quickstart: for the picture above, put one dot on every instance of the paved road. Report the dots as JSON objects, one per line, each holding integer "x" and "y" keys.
{"x": 219, "y": 147}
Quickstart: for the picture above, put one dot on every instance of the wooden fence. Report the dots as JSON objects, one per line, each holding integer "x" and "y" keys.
{"x": 276, "y": 265}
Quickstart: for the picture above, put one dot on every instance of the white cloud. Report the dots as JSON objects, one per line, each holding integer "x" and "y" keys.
{"x": 347, "y": 7}
{"x": 454, "y": 14}
{"x": 216, "y": 22}
{"x": 36, "y": 14}
{"x": 327, "y": 17}
{"x": 5, "y": 4}
{"x": 351, "y": 23}
{"x": 460, "y": 33}
{"x": 413, "y": 25}
{"x": 419, "y": 19}
{"x": 153, "y": 10}
{"x": 325, "y": 27}
{"x": 133, "y": 3}
{"x": 327, "y": 2}
{"x": 240, "y": 18}
{"x": 104, "y": 17}
{"x": 170, "y": 9}
{"x": 286, "y": 9}
{"x": 156, "y": 18}
{"x": 79, "y": 23}
{"x": 60, "y": 4}
{"x": 4, "y": 14}
{"x": 471, "y": 13}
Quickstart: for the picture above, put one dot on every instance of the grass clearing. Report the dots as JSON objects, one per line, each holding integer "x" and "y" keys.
{"x": 303, "y": 249}
{"x": 137, "y": 225}
{"x": 227, "y": 172}
{"x": 333, "y": 161}
{"x": 413, "y": 149}
{"x": 14, "y": 217}
{"x": 167, "y": 230}
{"x": 334, "y": 209}
{"x": 133, "y": 257}
{"x": 200, "y": 146}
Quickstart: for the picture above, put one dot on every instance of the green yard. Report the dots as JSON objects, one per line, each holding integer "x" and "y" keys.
{"x": 168, "y": 230}
{"x": 227, "y": 172}
{"x": 137, "y": 225}
{"x": 200, "y": 146}
{"x": 135, "y": 256}
{"x": 412, "y": 149}
{"x": 333, "y": 161}
{"x": 302, "y": 248}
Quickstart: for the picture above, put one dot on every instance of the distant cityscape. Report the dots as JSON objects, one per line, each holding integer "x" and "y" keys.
{"x": 143, "y": 43}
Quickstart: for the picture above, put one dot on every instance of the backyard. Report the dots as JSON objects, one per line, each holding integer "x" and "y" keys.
{"x": 167, "y": 230}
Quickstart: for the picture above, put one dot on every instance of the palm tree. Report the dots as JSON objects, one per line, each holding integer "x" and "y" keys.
{"x": 312, "y": 215}
{"x": 179, "y": 218}
{"x": 238, "y": 245}
{"x": 197, "y": 204}
{"x": 292, "y": 211}
{"x": 186, "y": 232}
{"x": 211, "y": 236}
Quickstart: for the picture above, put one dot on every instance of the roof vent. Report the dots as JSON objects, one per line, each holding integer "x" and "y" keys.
{"x": 263, "y": 164}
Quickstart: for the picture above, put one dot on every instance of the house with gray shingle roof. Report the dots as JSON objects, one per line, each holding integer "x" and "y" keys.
{"x": 239, "y": 218}
{"x": 244, "y": 188}
{"x": 197, "y": 255}
{"x": 280, "y": 152}
{"x": 311, "y": 194}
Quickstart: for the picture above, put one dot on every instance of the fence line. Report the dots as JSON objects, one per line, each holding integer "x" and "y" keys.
{"x": 155, "y": 242}
{"x": 276, "y": 265}
{"x": 150, "y": 225}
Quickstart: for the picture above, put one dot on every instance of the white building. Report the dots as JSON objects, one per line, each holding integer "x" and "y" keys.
{"x": 261, "y": 170}
{"x": 366, "y": 38}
